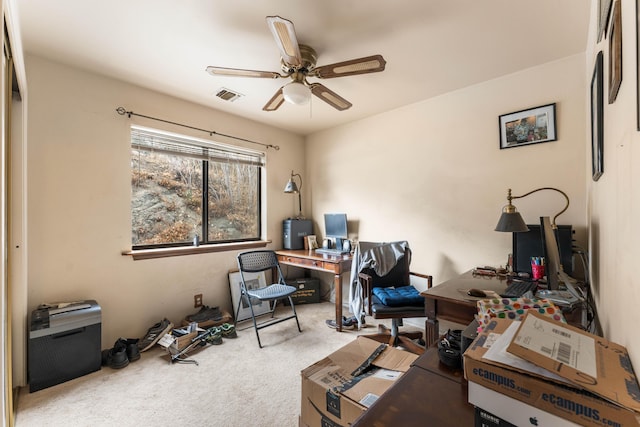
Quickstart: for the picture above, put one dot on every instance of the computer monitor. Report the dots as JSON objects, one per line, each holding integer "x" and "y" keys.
{"x": 552, "y": 266}
{"x": 335, "y": 227}
{"x": 528, "y": 244}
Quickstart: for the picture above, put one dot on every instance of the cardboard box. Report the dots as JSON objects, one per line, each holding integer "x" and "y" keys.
{"x": 589, "y": 361}
{"x": 503, "y": 410}
{"x": 550, "y": 395}
{"x": 226, "y": 318}
{"x": 184, "y": 340}
{"x": 484, "y": 418}
{"x": 308, "y": 290}
{"x": 333, "y": 396}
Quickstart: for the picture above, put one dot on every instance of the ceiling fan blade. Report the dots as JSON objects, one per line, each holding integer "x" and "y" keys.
{"x": 285, "y": 35}
{"x": 236, "y": 72}
{"x": 275, "y": 102}
{"x": 330, "y": 97}
{"x": 369, "y": 64}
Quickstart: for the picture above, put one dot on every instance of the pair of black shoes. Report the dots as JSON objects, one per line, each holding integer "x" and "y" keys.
{"x": 205, "y": 313}
{"x": 123, "y": 352}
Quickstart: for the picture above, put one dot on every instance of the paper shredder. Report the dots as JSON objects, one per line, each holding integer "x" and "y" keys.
{"x": 64, "y": 342}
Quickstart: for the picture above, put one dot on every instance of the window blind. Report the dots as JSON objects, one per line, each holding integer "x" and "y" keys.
{"x": 169, "y": 143}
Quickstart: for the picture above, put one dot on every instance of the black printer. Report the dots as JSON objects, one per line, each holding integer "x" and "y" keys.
{"x": 64, "y": 342}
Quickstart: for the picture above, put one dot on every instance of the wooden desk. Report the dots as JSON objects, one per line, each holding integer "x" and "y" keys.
{"x": 309, "y": 259}
{"x": 429, "y": 393}
{"x": 449, "y": 301}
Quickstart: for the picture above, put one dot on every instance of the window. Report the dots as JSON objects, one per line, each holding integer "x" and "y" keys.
{"x": 183, "y": 189}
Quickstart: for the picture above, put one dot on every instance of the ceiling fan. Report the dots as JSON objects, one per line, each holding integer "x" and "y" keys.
{"x": 298, "y": 63}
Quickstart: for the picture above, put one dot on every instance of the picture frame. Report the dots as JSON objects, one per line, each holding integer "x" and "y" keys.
{"x": 604, "y": 6}
{"x": 597, "y": 116}
{"x": 530, "y": 126}
{"x": 638, "y": 65}
{"x": 615, "y": 52}
{"x": 253, "y": 281}
{"x": 311, "y": 242}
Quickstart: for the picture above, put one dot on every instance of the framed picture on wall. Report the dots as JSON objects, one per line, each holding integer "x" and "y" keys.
{"x": 638, "y": 64}
{"x": 253, "y": 281}
{"x": 525, "y": 127}
{"x": 615, "y": 52}
{"x": 597, "y": 133}
{"x": 604, "y": 7}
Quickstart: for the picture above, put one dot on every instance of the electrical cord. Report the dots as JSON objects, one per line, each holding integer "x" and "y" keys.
{"x": 591, "y": 326}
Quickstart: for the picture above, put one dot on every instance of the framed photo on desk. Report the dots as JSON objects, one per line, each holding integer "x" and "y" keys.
{"x": 311, "y": 242}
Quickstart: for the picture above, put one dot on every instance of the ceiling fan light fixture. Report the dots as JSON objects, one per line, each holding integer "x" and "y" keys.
{"x": 296, "y": 93}
{"x": 298, "y": 62}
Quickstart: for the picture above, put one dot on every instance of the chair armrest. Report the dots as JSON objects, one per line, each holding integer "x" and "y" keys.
{"x": 428, "y": 277}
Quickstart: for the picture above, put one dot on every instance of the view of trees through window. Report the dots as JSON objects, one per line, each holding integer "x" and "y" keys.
{"x": 167, "y": 200}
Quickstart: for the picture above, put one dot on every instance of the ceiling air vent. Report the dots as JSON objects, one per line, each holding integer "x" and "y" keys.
{"x": 228, "y": 95}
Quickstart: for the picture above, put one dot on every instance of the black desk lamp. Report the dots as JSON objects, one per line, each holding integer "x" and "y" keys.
{"x": 291, "y": 187}
{"x": 511, "y": 221}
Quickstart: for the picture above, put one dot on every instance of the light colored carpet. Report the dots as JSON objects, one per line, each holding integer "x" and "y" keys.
{"x": 235, "y": 384}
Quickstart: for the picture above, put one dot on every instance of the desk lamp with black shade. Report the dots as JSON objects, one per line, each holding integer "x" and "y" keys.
{"x": 295, "y": 230}
{"x": 292, "y": 187}
{"x": 511, "y": 221}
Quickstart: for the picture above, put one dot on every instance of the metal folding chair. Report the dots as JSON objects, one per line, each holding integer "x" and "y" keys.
{"x": 257, "y": 261}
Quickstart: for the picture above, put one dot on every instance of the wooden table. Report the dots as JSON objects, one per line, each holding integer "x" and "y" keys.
{"x": 449, "y": 301}
{"x": 310, "y": 260}
{"x": 428, "y": 394}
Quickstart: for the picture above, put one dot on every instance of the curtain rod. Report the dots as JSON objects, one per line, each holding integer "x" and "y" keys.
{"x": 122, "y": 112}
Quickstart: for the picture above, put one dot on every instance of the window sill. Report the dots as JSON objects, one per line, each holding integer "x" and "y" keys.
{"x": 141, "y": 254}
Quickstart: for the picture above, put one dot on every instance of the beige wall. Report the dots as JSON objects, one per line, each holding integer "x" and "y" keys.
{"x": 614, "y": 200}
{"x": 432, "y": 172}
{"x": 79, "y": 217}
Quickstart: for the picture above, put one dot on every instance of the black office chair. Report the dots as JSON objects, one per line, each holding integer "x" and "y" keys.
{"x": 257, "y": 261}
{"x": 393, "y": 297}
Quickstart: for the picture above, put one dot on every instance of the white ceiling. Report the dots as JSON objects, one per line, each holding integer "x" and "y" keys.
{"x": 431, "y": 47}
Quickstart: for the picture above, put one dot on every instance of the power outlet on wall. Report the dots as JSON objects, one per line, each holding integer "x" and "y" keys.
{"x": 197, "y": 300}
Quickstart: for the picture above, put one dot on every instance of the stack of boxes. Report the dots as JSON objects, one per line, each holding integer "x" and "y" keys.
{"x": 539, "y": 371}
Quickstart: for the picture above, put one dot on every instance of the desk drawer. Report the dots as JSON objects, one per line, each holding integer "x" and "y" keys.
{"x": 314, "y": 264}
{"x": 304, "y": 262}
